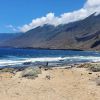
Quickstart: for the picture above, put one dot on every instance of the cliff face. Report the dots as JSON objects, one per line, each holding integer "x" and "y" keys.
{"x": 84, "y": 34}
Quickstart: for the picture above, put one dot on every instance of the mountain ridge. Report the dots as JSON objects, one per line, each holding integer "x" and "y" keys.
{"x": 79, "y": 35}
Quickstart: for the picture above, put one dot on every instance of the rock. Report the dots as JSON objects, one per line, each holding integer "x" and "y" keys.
{"x": 48, "y": 77}
{"x": 98, "y": 82}
{"x": 95, "y": 68}
{"x": 31, "y": 73}
{"x": 81, "y": 74}
{"x": 27, "y": 63}
{"x": 89, "y": 73}
{"x": 10, "y": 70}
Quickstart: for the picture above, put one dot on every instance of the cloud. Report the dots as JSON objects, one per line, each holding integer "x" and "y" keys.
{"x": 11, "y": 27}
{"x": 92, "y": 3}
{"x": 90, "y": 7}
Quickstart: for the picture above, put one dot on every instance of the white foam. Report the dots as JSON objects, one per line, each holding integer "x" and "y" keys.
{"x": 49, "y": 59}
{"x": 81, "y": 58}
{"x": 13, "y": 62}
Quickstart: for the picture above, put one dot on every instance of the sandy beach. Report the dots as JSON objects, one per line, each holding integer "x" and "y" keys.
{"x": 63, "y": 84}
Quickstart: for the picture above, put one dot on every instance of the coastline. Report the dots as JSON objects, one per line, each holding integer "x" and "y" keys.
{"x": 57, "y": 83}
{"x": 39, "y": 48}
{"x": 30, "y": 48}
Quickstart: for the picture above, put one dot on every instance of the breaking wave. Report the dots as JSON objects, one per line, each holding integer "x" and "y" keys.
{"x": 72, "y": 59}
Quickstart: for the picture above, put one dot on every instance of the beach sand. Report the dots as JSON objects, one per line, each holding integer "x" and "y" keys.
{"x": 63, "y": 84}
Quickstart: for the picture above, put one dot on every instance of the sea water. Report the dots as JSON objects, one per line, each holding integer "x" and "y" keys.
{"x": 13, "y": 56}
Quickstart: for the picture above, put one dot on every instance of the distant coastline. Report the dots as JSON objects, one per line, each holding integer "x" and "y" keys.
{"x": 30, "y": 48}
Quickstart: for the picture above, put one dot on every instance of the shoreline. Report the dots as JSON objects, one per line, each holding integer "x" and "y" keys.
{"x": 30, "y": 48}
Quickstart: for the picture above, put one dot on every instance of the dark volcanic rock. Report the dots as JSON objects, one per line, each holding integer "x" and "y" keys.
{"x": 27, "y": 63}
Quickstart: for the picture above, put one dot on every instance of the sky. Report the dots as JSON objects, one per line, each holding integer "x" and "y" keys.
{"x": 23, "y": 15}
{"x": 16, "y": 13}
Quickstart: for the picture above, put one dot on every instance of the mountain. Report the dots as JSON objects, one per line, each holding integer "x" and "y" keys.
{"x": 83, "y": 35}
{"x": 7, "y": 36}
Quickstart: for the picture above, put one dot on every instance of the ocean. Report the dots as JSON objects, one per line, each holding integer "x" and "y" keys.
{"x": 18, "y": 57}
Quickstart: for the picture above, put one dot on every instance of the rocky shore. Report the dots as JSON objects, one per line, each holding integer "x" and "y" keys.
{"x": 77, "y": 82}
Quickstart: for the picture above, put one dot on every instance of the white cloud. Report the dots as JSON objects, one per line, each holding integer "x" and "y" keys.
{"x": 92, "y": 3}
{"x": 11, "y": 27}
{"x": 90, "y": 7}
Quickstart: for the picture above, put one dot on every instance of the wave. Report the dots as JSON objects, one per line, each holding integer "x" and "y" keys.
{"x": 72, "y": 59}
{"x": 23, "y": 60}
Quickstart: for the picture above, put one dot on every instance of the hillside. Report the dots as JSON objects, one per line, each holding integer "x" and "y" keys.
{"x": 7, "y": 36}
{"x": 83, "y": 34}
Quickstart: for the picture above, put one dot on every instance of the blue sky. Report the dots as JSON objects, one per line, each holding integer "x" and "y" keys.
{"x": 21, "y": 12}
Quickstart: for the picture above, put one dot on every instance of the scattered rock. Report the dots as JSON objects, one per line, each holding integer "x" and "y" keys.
{"x": 89, "y": 73}
{"x": 48, "y": 77}
{"x": 46, "y": 69}
{"x": 98, "y": 82}
{"x": 98, "y": 75}
{"x": 27, "y": 63}
{"x": 10, "y": 70}
{"x": 81, "y": 74}
{"x": 17, "y": 93}
{"x": 86, "y": 65}
{"x": 95, "y": 68}
{"x": 31, "y": 73}
{"x": 19, "y": 82}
